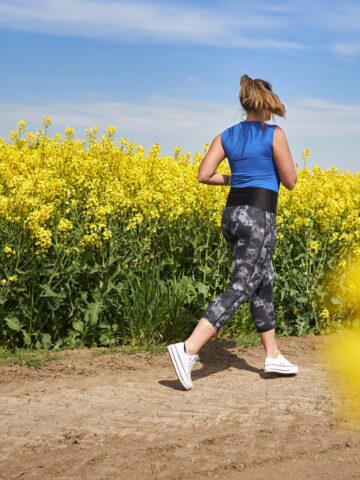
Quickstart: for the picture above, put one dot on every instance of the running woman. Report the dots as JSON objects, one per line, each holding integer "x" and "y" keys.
{"x": 259, "y": 157}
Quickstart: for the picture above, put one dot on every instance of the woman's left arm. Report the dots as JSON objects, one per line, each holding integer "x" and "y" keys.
{"x": 214, "y": 156}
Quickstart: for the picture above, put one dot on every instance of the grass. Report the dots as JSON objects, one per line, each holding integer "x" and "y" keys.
{"x": 31, "y": 358}
{"x": 251, "y": 339}
{"x": 129, "y": 349}
{"x": 37, "y": 358}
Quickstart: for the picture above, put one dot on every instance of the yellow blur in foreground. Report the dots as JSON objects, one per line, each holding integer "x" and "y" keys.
{"x": 342, "y": 354}
{"x": 343, "y": 361}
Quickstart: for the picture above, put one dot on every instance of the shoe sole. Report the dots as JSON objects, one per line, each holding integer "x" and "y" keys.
{"x": 284, "y": 371}
{"x": 178, "y": 367}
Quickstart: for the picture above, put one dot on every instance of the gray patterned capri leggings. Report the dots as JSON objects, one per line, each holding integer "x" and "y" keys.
{"x": 250, "y": 233}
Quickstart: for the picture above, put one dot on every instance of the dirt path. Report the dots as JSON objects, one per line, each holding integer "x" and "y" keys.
{"x": 119, "y": 416}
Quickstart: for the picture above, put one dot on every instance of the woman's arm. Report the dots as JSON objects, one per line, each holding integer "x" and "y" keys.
{"x": 214, "y": 156}
{"x": 283, "y": 159}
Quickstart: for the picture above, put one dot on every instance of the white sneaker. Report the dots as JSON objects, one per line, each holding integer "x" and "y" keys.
{"x": 183, "y": 363}
{"x": 280, "y": 365}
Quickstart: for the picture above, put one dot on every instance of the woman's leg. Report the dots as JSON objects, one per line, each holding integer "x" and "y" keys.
{"x": 246, "y": 230}
{"x": 262, "y": 300}
{"x": 269, "y": 343}
{"x": 201, "y": 334}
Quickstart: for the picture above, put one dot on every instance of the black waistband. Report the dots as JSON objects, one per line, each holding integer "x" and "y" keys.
{"x": 255, "y": 196}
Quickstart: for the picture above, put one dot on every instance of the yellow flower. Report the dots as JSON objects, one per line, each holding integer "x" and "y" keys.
{"x": 205, "y": 147}
{"x": 9, "y": 250}
{"x": 123, "y": 141}
{"x": 314, "y": 247}
{"x": 14, "y": 135}
{"x": 69, "y": 133}
{"x": 107, "y": 234}
{"x": 342, "y": 263}
{"x": 111, "y": 130}
{"x": 21, "y": 125}
{"x": 47, "y": 121}
{"x": 64, "y": 225}
{"x": 325, "y": 314}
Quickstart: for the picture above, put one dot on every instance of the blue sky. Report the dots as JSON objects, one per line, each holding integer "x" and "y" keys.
{"x": 169, "y": 71}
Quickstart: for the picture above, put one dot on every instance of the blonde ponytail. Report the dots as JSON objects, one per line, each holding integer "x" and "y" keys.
{"x": 257, "y": 95}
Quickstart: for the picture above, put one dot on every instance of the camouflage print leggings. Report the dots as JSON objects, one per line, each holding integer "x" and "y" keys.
{"x": 250, "y": 233}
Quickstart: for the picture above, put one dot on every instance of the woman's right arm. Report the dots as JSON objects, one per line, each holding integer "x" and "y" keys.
{"x": 283, "y": 159}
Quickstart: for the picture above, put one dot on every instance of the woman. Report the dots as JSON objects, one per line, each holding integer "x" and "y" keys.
{"x": 259, "y": 158}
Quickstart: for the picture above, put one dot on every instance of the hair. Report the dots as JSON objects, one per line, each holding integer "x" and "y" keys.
{"x": 256, "y": 95}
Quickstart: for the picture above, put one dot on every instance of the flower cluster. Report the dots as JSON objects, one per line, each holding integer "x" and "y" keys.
{"x": 55, "y": 186}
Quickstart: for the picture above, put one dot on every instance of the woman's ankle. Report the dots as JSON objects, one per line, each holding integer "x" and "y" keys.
{"x": 273, "y": 353}
{"x": 188, "y": 349}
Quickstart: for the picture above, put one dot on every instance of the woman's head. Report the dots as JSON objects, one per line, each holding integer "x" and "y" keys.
{"x": 256, "y": 96}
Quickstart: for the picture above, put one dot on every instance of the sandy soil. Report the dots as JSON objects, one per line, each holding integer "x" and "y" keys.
{"x": 119, "y": 416}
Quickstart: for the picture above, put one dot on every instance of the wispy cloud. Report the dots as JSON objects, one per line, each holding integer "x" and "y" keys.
{"x": 343, "y": 20}
{"x": 136, "y": 21}
{"x": 343, "y": 16}
{"x": 349, "y": 49}
{"x": 323, "y": 118}
{"x": 310, "y": 123}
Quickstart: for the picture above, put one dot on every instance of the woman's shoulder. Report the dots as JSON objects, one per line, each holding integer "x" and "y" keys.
{"x": 243, "y": 124}
{"x": 231, "y": 128}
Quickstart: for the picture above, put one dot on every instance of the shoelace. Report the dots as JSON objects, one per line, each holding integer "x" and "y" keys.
{"x": 280, "y": 358}
{"x": 193, "y": 359}
{"x": 283, "y": 360}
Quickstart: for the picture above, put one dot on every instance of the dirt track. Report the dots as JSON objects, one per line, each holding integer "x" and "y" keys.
{"x": 119, "y": 416}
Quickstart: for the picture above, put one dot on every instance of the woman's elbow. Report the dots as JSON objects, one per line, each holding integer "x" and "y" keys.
{"x": 290, "y": 184}
{"x": 201, "y": 178}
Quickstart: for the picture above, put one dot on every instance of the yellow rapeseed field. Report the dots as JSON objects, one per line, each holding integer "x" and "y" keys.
{"x": 39, "y": 175}
{"x": 61, "y": 188}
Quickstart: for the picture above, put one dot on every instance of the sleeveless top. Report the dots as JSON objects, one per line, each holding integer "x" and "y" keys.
{"x": 255, "y": 179}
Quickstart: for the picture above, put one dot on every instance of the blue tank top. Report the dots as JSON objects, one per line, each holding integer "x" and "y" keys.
{"x": 248, "y": 148}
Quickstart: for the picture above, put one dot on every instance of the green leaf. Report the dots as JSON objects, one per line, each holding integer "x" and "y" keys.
{"x": 27, "y": 337}
{"x": 335, "y": 300}
{"x": 13, "y": 323}
{"x": 46, "y": 340}
{"x": 104, "y": 325}
{"x": 84, "y": 296}
{"x": 50, "y": 293}
{"x": 78, "y": 325}
{"x": 92, "y": 313}
{"x": 319, "y": 290}
{"x": 104, "y": 338}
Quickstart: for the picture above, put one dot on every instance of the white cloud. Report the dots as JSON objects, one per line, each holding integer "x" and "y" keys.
{"x": 228, "y": 24}
{"x": 343, "y": 48}
{"x": 328, "y": 129}
{"x": 343, "y": 16}
{"x": 136, "y": 21}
